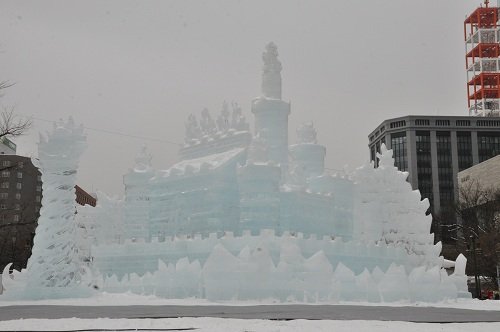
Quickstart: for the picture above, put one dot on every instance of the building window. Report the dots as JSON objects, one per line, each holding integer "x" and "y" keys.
{"x": 6, "y": 163}
{"x": 4, "y": 195}
{"x": 17, "y": 207}
{"x": 5, "y": 174}
{"x": 424, "y": 164}
{"x": 422, "y": 122}
{"x": 19, "y": 175}
{"x": 38, "y": 188}
{"x": 16, "y": 217}
{"x": 37, "y": 199}
{"x": 4, "y": 185}
{"x": 19, "y": 185}
{"x": 18, "y": 196}
{"x": 488, "y": 145}
{"x": 3, "y": 207}
{"x": 445, "y": 168}
{"x": 462, "y": 123}
{"x": 397, "y": 124}
{"x": 488, "y": 123}
{"x": 399, "y": 148}
{"x": 443, "y": 123}
{"x": 39, "y": 178}
{"x": 20, "y": 164}
{"x": 37, "y": 209}
{"x": 464, "y": 149}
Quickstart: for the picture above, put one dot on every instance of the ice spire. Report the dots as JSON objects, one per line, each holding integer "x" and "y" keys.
{"x": 307, "y": 134}
{"x": 143, "y": 160}
{"x": 271, "y": 72}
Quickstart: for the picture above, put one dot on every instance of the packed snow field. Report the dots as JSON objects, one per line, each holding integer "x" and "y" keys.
{"x": 127, "y": 299}
{"x": 220, "y": 324}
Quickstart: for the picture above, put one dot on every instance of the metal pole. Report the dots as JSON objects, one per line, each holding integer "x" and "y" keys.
{"x": 476, "y": 277}
{"x": 498, "y": 277}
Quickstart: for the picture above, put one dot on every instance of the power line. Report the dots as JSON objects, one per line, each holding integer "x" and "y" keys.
{"x": 112, "y": 132}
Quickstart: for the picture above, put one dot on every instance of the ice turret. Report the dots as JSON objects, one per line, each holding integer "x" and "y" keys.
{"x": 137, "y": 197}
{"x": 307, "y": 155}
{"x": 271, "y": 113}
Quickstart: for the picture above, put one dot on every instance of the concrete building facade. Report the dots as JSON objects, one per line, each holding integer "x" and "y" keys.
{"x": 433, "y": 149}
{"x": 487, "y": 174}
{"x": 20, "y": 202}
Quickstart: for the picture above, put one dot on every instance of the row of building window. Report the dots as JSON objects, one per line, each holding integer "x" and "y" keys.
{"x": 7, "y": 163}
{"x": 19, "y": 186}
{"x": 18, "y": 196}
{"x": 397, "y": 124}
{"x": 6, "y": 174}
{"x": 488, "y": 123}
{"x": 5, "y": 185}
{"x": 15, "y": 217}
{"x": 17, "y": 207}
{"x": 447, "y": 123}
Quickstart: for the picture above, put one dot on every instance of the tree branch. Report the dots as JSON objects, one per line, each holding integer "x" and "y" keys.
{"x": 12, "y": 125}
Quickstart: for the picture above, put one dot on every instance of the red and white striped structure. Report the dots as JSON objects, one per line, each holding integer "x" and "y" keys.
{"x": 482, "y": 47}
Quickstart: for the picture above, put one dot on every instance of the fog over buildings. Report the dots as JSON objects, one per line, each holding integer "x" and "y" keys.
{"x": 140, "y": 68}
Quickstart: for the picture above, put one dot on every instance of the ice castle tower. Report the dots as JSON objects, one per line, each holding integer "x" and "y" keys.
{"x": 271, "y": 113}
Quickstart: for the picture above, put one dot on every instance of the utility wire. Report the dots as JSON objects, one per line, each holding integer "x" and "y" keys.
{"x": 112, "y": 132}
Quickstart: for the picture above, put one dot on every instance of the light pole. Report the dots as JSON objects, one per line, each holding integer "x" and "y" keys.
{"x": 476, "y": 277}
{"x": 13, "y": 251}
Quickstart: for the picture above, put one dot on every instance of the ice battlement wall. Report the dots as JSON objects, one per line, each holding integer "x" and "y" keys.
{"x": 142, "y": 257}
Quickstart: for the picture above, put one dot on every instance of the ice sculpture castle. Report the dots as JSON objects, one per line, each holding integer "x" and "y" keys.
{"x": 242, "y": 216}
{"x": 229, "y": 181}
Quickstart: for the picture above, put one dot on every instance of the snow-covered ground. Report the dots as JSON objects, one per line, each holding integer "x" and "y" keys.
{"x": 234, "y": 325}
{"x": 227, "y": 324}
{"x": 124, "y": 299}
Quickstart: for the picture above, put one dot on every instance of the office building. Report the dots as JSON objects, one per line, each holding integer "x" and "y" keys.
{"x": 433, "y": 149}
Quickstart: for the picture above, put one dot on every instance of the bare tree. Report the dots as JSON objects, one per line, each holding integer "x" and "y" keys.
{"x": 478, "y": 232}
{"x": 5, "y": 85}
{"x": 10, "y": 123}
{"x": 13, "y": 125}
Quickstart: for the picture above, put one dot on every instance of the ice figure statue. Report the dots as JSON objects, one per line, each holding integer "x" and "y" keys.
{"x": 55, "y": 268}
{"x": 207, "y": 123}
{"x": 271, "y": 78}
{"x": 306, "y": 134}
{"x": 223, "y": 118}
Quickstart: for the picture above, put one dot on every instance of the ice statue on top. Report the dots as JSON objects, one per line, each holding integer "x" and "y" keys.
{"x": 248, "y": 216}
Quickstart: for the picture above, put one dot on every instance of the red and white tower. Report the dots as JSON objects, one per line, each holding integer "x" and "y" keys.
{"x": 482, "y": 47}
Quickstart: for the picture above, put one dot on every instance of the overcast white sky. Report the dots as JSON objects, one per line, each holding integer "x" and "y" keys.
{"x": 140, "y": 67}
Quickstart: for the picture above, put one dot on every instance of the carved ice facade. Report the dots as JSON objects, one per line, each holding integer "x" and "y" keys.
{"x": 245, "y": 216}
